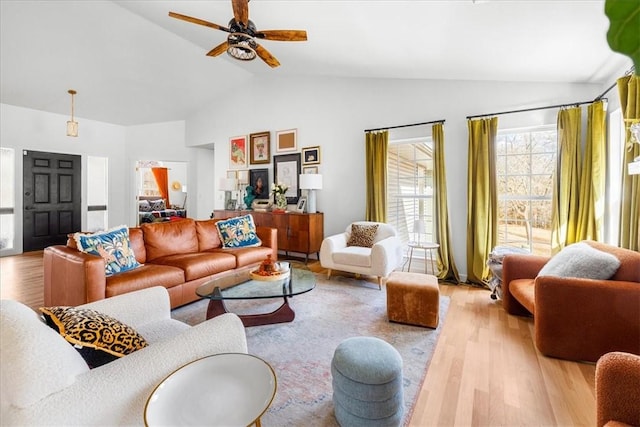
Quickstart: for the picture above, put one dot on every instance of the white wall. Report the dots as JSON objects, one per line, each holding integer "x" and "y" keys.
{"x": 331, "y": 113}
{"x": 334, "y": 112}
{"x": 26, "y": 129}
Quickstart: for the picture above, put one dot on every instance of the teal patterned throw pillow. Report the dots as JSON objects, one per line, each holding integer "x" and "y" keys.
{"x": 112, "y": 245}
{"x": 238, "y": 232}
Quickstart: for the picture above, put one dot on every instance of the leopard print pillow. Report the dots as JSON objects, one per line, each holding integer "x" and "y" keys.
{"x": 362, "y": 235}
{"x": 98, "y": 337}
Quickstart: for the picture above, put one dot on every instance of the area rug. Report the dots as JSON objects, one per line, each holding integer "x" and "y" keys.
{"x": 300, "y": 352}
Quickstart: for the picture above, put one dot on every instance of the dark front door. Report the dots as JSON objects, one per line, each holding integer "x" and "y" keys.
{"x": 51, "y": 198}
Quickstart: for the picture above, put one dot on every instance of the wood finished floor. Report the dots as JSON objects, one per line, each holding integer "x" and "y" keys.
{"x": 485, "y": 370}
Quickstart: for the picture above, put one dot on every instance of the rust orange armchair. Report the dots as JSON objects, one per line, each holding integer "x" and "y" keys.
{"x": 618, "y": 390}
{"x": 576, "y": 318}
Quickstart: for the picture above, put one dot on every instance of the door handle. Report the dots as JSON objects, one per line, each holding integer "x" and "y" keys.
{"x": 29, "y": 208}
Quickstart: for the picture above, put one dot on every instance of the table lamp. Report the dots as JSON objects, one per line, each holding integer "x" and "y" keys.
{"x": 184, "y": 201}
{"x": 419, "y": 227}
{"x": 311, "y": 182}
{"x": 228, "y": 185}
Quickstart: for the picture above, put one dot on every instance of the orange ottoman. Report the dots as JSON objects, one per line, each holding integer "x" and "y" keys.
{"x": 413, "y": 298}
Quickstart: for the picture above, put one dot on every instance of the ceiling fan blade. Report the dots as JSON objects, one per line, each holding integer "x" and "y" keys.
{"x": 241, "y": 11}
{"x": 266, "y": 56}
{"x": 198, "y": 21}
{"x": 283, "y": 35}
{"x": 221, "y": 48}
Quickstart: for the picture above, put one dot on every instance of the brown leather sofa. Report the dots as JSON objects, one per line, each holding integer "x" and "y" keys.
{"x": 575, "y": 318}
{"x": 179, "y": 255}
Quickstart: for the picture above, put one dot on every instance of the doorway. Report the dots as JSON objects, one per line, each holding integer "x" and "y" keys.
{"x": 51, "y": 198}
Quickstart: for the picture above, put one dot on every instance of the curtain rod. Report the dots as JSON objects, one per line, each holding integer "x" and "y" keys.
{"x": 406, "y": 126}
{"x": 533, "y": 109}
{"x": 629, "y": 71}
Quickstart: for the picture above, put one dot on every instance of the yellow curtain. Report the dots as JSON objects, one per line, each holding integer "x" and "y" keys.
{"x": 482, "y": 203}
{"x": 161, "y": 176}
{"x": 376, "y": 174}
{"x": 446, "y": 264}
{"x": 629, "y": 90}
{"x": 564, "y": 214}
{"x": 592, "y": 181}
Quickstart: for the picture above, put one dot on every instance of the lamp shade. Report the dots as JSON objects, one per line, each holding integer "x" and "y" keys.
{"x": 228, "y": 184}
{"x": 419, "y": 226}
{"x": 311, "y": 181}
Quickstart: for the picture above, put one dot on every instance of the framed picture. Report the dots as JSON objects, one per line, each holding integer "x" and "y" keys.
{"x": 243, "y": 176}
{"x": 259, "y": 180}
{"x": 231, "y": 205}
{"x": 302, "y": 204}
{"x": 260, "y": 148}
{"x": 286, "y": 170}
{"x": 311, "y": 156}
{"x": 286, "y": 140}
{"x": 310, "y": 169}
{"x": 238, "y": 152}
{"x": 232, "y": 174}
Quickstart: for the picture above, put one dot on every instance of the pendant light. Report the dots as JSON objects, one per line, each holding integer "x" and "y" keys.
{"x": 72, "y": 126}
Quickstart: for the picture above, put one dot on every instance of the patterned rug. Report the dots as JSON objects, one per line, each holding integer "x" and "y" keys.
{"x": 300, "y": 352}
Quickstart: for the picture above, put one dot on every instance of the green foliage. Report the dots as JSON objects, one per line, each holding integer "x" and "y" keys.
{"x": 624, "y": 29}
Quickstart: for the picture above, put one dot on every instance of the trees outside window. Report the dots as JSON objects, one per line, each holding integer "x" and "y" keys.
{"x": 525, "y": 163}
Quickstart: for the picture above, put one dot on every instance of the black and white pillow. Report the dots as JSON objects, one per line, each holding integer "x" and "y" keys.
{"x": 157, "y": 205}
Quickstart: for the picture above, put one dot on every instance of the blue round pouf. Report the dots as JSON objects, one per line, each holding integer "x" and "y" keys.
{"x": 367, "y": 383}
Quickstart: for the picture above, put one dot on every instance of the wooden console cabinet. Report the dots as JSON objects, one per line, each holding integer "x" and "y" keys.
{"x": 297, "y": 232}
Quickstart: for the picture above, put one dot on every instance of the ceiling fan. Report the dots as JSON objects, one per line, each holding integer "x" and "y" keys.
{"x": 241, "y": 43}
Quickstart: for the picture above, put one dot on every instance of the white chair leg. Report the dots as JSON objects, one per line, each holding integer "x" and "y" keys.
{"x": 379, "y": 283}
{"x": 329, "y": 273}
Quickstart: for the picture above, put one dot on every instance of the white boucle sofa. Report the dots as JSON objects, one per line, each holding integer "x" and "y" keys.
{"x": 45, "y": 381}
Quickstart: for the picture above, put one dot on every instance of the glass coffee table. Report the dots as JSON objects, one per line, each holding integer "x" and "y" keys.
{"x": 242, "y": 287}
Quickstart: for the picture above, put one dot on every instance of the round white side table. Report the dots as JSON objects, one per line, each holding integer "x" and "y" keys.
{"x": 228, "y": 389}
{"x": 428, "y": 249}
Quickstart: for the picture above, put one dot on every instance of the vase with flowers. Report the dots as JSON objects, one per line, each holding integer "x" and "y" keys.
{"x": 279, "y": 191}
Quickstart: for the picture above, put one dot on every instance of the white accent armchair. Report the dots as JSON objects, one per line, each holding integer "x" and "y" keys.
{"x": 382, "y": 258}
{"x": 45, "y": 381}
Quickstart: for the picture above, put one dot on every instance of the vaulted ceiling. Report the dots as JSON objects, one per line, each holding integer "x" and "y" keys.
{"x": 132, "y": 64}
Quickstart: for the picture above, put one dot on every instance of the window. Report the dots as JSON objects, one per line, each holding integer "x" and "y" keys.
{"x": 147, "y": 185}
{"x": 525, "y": 162}
{"x": 7, "y": 198}
{"x": 410, "y": 187}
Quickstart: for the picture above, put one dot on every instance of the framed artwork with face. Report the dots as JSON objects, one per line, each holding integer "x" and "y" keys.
{"x": 286, "y": 169}
{"x": 259, "y": 180}
{"x": 260, "y": 148}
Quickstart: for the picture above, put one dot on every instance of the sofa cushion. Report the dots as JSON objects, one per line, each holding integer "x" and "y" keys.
{"x": 36, "y": 361}
{"x": 247, "y": 256}
{"x": 238, "y": 232}
{"x": 583, "y": 261}
{"x": 170, "y": 238}
{"x": 99, "y": 338}
{"x": 362, "y": 235}
{"x": 524, "y": 291}
{"x": 144, "y": 206}
{"x": 354, "y": 256}
{"x": 136, "y": 240}
{"x": 143, "y": 277}
{"x": 157, "y": 205}
{"x": 208, "y": 237}
{"x": 629, "y": 270}
{"x": 199, "y": 265}
{"x": 112, "y": 245}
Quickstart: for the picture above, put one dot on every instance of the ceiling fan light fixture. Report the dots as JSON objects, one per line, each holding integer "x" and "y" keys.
{"x": 240, "y": 47}
{"x": 72, "y": 126}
